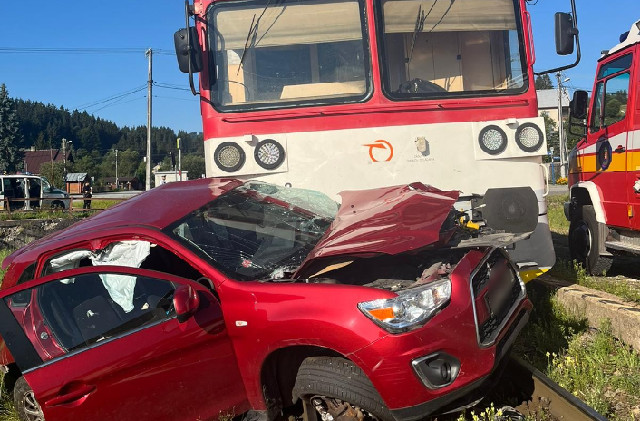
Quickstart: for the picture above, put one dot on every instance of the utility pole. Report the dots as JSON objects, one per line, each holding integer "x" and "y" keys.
{"x": 179, "y": 160}
{"x": 149, "y": 54}
{"x": 64, "y": 158}
{"x": 561, "y": 139}
{"x": 117, "y": 184}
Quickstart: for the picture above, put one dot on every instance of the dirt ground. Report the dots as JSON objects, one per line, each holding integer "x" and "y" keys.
{"x": 17, "y": 234}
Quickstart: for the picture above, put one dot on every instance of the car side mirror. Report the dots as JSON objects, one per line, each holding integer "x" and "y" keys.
{"x": 578, "y": 105}
{"x": 188, "y": 50}
{"x": 565, "y": 33}
{"x": 186, "y": 302}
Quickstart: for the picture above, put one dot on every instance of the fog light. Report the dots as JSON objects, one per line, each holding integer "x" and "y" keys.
{"x": 229, "y": 156}
{"x": 493, "y": 140}
{"x": 436, "y": 370}
{"x": 529, "y": 137}
{"x": 269, "y": 154}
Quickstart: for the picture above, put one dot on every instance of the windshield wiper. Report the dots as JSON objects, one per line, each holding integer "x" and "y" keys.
{"x": 253, "y": 32}
{"x": 420, "y": 18}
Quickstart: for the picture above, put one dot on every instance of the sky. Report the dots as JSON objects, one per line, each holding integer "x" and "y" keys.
{"x": 108, "y": 77}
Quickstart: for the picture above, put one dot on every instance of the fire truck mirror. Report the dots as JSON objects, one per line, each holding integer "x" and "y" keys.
{"x": 578, "y": 105}
{"x": 188, "y": 50}
{"x": 565, "y": 32}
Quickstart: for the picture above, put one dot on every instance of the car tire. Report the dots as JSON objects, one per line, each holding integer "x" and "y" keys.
{"x": 584, "y": 242}
{"x": 338, "y": 387}
{"x": 25, "y": 402}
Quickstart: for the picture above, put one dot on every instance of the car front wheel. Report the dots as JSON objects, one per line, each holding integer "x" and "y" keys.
{"x": 337, "y": 389}
{"x": 584, "y": 242}
{"x": 25, "y": 402}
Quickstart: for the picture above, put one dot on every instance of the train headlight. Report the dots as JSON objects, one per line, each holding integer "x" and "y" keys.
{"x": 269, "y": 154}
{"x": 229, "y": 156}
{"x": 493, "y": 140}
{"x": 529, "y": 137}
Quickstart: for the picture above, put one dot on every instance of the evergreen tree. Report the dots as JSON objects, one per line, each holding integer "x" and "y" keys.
{"x": 543, "y": 82}
{"x": 10, "y": 136}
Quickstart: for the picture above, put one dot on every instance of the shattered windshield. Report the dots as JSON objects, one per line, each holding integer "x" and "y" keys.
{"x": 258, "y": 230}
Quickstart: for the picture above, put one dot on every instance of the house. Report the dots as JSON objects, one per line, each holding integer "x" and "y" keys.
{"x": 33, "y": 159}
{"x": 74, "y": 181}
{"x": 548, "y": 102}
{"x": 127, "y": 182}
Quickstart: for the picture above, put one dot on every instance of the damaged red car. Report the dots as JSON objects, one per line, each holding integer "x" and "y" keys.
{"x": 212, "y": 298}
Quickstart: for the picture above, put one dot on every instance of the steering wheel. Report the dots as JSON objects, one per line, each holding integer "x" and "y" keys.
{"x": 419, "y": 86}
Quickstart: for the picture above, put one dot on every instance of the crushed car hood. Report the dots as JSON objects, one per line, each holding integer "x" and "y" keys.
{"x": 387, "y": 220}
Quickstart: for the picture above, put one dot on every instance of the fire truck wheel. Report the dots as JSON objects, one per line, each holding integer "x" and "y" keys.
{"x": 336, "y": 388}
{"x": 25, "y": 402}
{"x": 584, "y": 242}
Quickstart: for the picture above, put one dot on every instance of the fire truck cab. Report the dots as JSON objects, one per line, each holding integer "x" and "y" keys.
{"x": 604, "y": 167}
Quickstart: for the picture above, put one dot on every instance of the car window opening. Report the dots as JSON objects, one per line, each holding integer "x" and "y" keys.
{"x": 134, "y": 253}
{"x": 80, "y": 311}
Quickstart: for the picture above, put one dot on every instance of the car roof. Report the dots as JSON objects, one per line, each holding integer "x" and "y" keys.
{"x": 156, "y": 209}
{"x": 20, "y": 176}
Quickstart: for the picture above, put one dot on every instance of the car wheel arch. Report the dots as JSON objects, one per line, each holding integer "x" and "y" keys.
{"x": 279, "y": 371}
{"x": 12, "y": 374}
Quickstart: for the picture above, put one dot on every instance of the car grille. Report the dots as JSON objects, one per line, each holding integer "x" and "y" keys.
{"x": 496, "y": 291}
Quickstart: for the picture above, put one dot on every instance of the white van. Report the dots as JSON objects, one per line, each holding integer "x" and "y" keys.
{"x": 29, "y": 192}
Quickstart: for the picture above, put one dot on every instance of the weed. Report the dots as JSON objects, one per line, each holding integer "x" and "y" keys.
{"x": 555, "y": 210}
{"x": 549, "y": 330}
{"x": 3, "y": 253}
{"x": 600, "y": 370}
{"x": 7, "y": 412}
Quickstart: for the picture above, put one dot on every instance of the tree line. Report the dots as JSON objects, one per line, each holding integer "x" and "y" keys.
{"x": 26, "y": 124}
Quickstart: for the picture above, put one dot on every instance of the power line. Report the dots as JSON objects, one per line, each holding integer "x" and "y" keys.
{"x": 111, "y": 98}
{"x": 79, "y": 50}
{"x": 169, "y": 86}
{"x": 174, "y": 97}
{"x": 120, "y": 103}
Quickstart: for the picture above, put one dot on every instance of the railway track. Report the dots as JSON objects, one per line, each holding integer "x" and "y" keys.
{"x": 535, "y": 396}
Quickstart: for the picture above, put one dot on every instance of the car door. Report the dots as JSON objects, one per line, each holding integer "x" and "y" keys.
{"x": 106, "y": 343}
{"x": 607, "y": 138}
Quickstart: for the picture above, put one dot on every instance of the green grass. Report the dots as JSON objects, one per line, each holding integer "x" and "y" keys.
{"x": 3, "y": 253}
{"x": 7, "y": 412}
{"x": 601, "y": 371}
{"x": 570, "y": 271}
{"x": 591, "y": 364}
{"x": 35, "y": 214}
{"x": 555, "y": 210}
{"x": 96, "y": 204}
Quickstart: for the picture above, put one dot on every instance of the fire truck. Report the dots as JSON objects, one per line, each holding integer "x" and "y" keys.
{"x": 604, "y": 167}
{"x": 336, "y": 95}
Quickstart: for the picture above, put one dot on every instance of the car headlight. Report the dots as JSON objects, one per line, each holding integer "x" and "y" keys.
{"x": 411, "y": 308}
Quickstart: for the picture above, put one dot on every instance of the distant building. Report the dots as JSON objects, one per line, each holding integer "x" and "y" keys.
{"x": 33, "y": 160}
{"x": 548, "y": 102}
{"x": 74, "y": 181}
{"x": 169, "y": 177}
{"x": 124, "y": 183}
